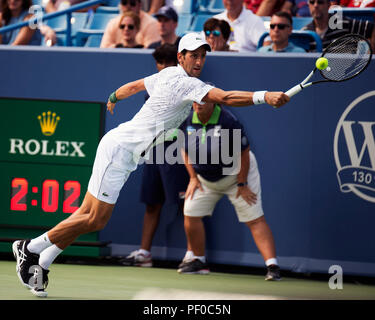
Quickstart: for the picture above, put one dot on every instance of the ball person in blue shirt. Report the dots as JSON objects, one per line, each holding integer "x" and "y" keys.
{"x": 214, "y": 177}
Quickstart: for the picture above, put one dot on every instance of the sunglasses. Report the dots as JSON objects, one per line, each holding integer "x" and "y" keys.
{"x": 130, "y": 26}
{"x": 312, "y": 2}
{"x": 280, "y": 26}
{"x": 132, "y": 3}
{"x": 215, "y": 33}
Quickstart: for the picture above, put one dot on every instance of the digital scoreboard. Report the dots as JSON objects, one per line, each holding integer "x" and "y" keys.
{"x": 47, "y": 149}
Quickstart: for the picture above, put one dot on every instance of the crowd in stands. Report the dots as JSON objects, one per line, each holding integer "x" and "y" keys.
{"x": 238, "y": 27}
{"x": 241, "y": 26}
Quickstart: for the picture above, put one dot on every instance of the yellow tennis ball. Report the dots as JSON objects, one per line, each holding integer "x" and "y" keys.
{"x": 321, "y": 63}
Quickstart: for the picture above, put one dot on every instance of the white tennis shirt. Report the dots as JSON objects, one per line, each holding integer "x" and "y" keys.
{"x": 172, "y": 93}
{"x": 245, "y": 30}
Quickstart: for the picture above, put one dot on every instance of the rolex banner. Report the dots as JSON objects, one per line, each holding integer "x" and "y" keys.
{"x": 47, "y": 149}
{"x": 49, "y": 131}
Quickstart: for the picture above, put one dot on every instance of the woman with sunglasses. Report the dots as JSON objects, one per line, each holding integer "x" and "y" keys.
{"x": 148, "y": 28}
{"x": 217, "y": 33}
{"x": 129, "y": 25}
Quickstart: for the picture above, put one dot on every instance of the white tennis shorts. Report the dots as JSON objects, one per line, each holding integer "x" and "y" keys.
{"x": 203, "y": 203}
{"x": 112, "y": 167}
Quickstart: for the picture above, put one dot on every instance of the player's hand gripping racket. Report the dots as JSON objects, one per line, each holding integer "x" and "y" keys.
{"x": 347, "y": 57}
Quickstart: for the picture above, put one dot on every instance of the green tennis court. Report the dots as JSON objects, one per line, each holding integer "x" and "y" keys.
{"x": 73, "y": 281}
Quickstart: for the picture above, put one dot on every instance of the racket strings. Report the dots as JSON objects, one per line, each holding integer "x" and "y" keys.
{"x": 347, "y": 56}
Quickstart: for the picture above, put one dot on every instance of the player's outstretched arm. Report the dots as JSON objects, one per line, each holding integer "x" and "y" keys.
{"x": 124, "y": 92}
{"x": 246, "y": 98}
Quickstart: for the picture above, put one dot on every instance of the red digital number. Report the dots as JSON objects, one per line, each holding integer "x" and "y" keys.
{"x": 72, "y": 191}
{"x": 18, "y": 194}
{"x": 50, "y": 196}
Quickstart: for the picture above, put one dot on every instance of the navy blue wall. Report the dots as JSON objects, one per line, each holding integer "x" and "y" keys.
{"x": 315, "y": 224}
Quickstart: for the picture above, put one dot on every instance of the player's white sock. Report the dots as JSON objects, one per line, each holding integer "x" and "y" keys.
{"x": 189, "y": 255}
{"x": 201, "y": 258}
{"x": 40, "y": 243}
{"x": 144, "y": 252}
{"x": 48, "y": 256}
{"x": 271, "y": 261}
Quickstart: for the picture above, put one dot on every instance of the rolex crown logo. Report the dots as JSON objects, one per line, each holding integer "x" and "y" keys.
{"x": 48, "y": 122}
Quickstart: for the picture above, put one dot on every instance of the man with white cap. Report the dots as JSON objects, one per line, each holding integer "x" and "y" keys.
{"x": 172, "y": 92}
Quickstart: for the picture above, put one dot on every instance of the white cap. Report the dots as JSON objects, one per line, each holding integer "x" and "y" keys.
{"x": 193, "y": 41}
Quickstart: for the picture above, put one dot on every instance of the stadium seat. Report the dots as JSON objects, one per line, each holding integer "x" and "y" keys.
{"x": 93, "y": 41}
{"x": 184, "y": 23}
{"x": 186, "y": 6}
{"x": 104, "y": 9}
{"x": 199, "y": 20}
{"x": 300, "y": 22}
{"x": 99, "y": 21}
{"x": 112, "y": 3}
{"x": 300, "y": 38}
{"x": 96, "y": 26}
{"x": 215, "y": 6}
{"x": 356, "y": 13}
{"x": 83, "y": 36}
{"x": 58, "y": 24}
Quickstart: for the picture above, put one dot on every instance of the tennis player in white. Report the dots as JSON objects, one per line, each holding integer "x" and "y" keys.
{"x": 172, "y": 92}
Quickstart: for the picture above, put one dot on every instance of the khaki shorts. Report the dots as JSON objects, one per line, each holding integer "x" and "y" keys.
{"x": 203, "y": 203}
{"x": 112, "y": 167}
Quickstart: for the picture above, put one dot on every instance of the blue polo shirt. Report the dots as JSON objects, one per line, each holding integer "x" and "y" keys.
{"x": 215, "y": 144}
{"x": 289, "y": 48}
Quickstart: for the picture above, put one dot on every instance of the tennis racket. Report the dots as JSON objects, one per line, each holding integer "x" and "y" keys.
{"x": 347, "y": 57}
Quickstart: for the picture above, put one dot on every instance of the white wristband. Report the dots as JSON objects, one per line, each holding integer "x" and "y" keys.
{"x": 258, "y": 97}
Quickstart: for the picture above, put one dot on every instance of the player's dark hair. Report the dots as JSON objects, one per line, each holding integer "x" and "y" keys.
{"x": 166, "y": 53}
{"x": 286, "y": 15}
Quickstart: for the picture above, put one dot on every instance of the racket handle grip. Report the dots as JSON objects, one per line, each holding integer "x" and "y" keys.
{"x": 291, "y": 92}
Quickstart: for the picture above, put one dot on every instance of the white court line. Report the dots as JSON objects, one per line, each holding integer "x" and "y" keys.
{"x": 179, "y": 294}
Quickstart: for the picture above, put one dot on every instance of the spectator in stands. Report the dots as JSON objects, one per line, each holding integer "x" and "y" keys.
{"x": 329, "y": 29}
{"x": 129, "y": 25}
{"x": 281, "y": 27}
{"x": 246, "y": 27}
{"x": 300, "y": 8}
{"x": 16, "y": 11}
{"x": 148, "y": 31}
{"x": 204, "y": 129}
{"x": 167, "y": 24}
{"x": 217, "y": 33}
{"x": 161, "y": 183}
{"x": 357, "y": 3}
{"x": 56, "y": 5}
{"x": 155, "y": 5}
{"x": 264, "y": 8}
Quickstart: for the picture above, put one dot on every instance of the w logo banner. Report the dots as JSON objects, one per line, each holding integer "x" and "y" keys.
{"x": 354, "y": 148}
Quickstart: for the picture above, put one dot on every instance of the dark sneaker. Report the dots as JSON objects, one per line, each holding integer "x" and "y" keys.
{"x": 273, "y": 273}
{"x": 137, "y": 259}
{"x": 40, "y": 282}
{"x": 184, "y": 262}
{"x": 25, "y": 261}
{"x": 194, "y": 267}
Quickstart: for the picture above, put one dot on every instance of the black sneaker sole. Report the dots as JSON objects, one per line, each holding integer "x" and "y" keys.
{"x": 203, "y": 271}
